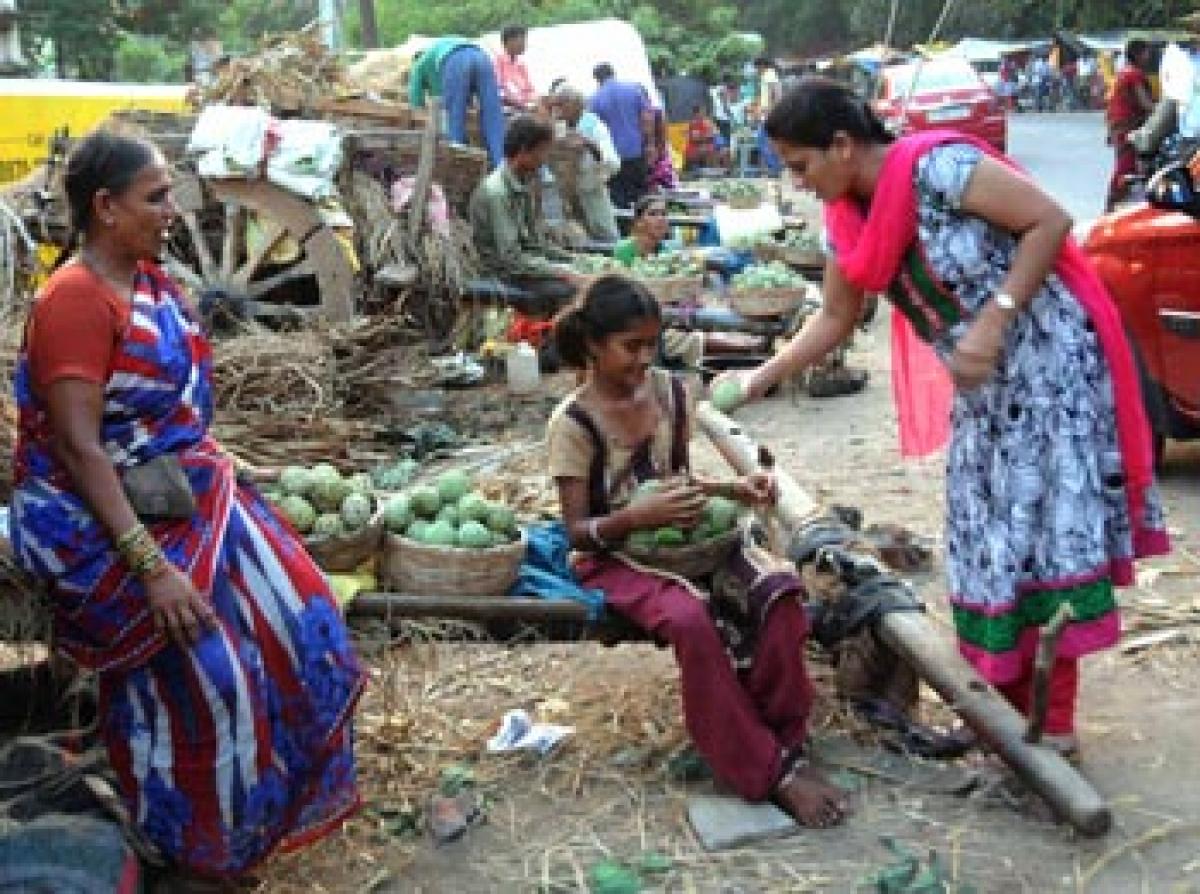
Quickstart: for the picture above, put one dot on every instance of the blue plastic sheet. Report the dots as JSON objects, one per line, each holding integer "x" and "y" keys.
{"x": 546, "y": 572}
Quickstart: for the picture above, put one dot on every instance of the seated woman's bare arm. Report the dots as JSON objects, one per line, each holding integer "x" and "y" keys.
{"x": 74, "y": 409}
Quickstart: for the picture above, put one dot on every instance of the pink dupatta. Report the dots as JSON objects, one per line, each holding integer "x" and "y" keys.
{"x": 870, "y": 248}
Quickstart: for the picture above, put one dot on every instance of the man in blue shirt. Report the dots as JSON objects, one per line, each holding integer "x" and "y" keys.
{"x": 625, "y": 111}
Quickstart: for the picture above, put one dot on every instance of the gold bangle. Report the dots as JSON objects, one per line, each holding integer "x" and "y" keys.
{"x": 129, "y": 537}
{"x": 137, "y": 547}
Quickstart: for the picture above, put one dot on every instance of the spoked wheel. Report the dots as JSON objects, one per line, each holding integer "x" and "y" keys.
{"x": 248, "y": 249}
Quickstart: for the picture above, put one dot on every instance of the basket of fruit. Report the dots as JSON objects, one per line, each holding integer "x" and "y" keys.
{"x": 767, "y": 290}
{"x": 588, "y": 268}
{"x": 694, "y": 553}
{"x": 670, "y": 277}
{"x": 446, "y": 540}
{"x": 798, "y": 248}
{"x": 741, "y": 194}
{"x": 337, "y": 516}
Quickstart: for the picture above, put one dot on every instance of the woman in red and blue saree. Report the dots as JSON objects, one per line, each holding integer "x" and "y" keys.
{"x": 227, "y": 680}
{"x": 1049, "y": 480}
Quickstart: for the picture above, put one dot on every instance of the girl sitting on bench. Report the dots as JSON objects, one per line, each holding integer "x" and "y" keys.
{"x": 739, "y": 646}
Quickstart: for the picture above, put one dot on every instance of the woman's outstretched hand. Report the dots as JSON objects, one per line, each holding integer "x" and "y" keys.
{"x": 736, "y": 388}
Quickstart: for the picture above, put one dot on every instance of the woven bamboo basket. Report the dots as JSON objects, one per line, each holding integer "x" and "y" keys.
{"x": 692, "y": 561}
{"x": 766, "y": 302}
{"x": 347, "y": 552}
{"x": 674, "y": 289}
{"x": 796, "y": 257}
{"x": 411, "y": 567}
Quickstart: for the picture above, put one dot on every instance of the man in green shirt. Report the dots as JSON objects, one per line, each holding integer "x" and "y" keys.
{"x": 456, "y": 69}
{"x": 509, "y": 236}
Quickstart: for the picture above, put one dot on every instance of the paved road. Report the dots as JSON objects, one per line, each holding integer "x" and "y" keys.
{"x": 1068, "y": 157}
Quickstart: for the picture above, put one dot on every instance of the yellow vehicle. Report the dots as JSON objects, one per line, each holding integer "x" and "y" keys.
{"x": 32, "y": 110}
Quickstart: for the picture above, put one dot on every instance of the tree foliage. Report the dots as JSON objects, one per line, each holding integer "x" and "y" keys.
{"x": 89, "y": 38}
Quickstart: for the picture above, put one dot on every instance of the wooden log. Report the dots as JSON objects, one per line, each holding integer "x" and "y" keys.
{"x": 500, "y": 618}
{"x": 937, "y": 661}
{"x": 415, "y": 605}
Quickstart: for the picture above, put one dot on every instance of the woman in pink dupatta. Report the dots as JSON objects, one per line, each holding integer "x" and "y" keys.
{"x": 1050, "y": 491}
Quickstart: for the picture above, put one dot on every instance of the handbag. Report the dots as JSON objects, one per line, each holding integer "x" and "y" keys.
{"x": 159, "y": 490}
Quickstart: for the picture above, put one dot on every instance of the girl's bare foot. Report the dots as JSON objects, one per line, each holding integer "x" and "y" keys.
{"x": 810, "y": 799}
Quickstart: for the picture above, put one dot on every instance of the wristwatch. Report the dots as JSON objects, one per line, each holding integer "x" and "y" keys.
{"x": 1005, "y": 302}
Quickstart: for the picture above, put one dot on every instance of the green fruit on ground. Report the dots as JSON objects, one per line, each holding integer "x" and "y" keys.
{"x": 326, "y": 472}
{"x": 473, "y": 535}
{"x": 295, "y": 480}
{"x": 397, "y": 514}
{"x": 702, "y": 532}
{"x": 450, "y": 515}
{"x": 356, "y": 511}
{"x": 727, "y": 395}
{"x": 452, "y": 486}
{"x": 299, "y": 512}
{"x": 417, "y": 530}
{"x": 473, "y": 507}
{"x": 721, "y": 514}
{"x": 425, "y": 501}
{"x": 642, "y": 539}
{"x": 327, "y": 525}
{"x": 501, "y": 519}
{"x": 361, "y": 483}
{"x": 328, "y": 493}
{"x": 670, "y": 537}
{"x": 441, "y": 533}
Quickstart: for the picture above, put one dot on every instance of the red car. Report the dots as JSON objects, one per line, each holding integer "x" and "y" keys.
{"x": 941, "y": 93}
{"x": 1148, "y": 257}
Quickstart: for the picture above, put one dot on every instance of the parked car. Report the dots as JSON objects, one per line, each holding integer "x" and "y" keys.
{"x": 937, "y": 93}
{"x": 1147, "y": 254}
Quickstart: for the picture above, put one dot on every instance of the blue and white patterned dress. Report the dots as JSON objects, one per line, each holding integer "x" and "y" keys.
{"x": 1036, "y": 506}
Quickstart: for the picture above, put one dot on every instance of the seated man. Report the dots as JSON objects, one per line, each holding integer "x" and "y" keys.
{"x": 509, "y": 236}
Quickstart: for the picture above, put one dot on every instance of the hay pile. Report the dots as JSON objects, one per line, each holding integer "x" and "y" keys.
{"x": 290, "y": 72}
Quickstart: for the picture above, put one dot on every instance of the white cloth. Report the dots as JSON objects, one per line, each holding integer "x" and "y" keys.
{"x": 595, "y": 173}
{"x": 231, "y": 141}
{"x": 1175, "y": 74}
{"x": 303, "y": 157}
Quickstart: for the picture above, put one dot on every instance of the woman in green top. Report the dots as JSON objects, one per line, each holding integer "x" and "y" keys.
{"x": 648, "y": 234}
{"x": 680, "y": 349}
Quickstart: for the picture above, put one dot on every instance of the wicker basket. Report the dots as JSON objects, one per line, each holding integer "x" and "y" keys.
{"x": 347, "y": 552}
{"x": 766, "y": 302}
{"x": 674, "y": 289}
{"x": 411, "y": 567}
{"x": 795, "y": 257}
{"x": 692, "y": 561}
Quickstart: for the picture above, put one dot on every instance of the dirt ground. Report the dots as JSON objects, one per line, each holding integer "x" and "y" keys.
{"x": 606, "y": 795}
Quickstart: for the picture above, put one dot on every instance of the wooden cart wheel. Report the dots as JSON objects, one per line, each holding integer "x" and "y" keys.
{"x": 208, "y": 253}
